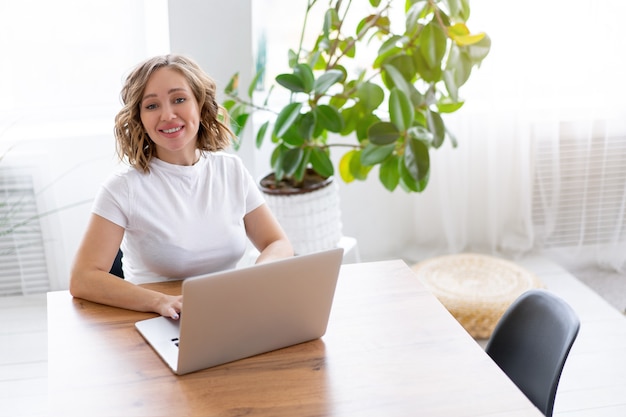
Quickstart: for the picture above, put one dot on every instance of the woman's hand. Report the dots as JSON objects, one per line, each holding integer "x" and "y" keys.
{"x": 170, "y": 306}
{"x": 91, "y": 280}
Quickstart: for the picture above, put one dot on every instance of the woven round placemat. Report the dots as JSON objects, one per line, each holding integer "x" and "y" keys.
{"x": 476, "y": 289}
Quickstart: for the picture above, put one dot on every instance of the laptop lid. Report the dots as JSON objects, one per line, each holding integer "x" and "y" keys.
{"x": 243, "y": 312}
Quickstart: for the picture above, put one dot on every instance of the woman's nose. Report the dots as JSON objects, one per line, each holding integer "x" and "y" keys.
{"x": 167, "y": 113}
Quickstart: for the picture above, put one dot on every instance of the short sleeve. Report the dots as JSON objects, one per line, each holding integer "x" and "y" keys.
{"x": 254, "y": 196}
{"x": 112, "y": 201}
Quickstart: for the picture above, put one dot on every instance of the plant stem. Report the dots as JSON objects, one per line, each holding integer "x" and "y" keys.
{"x": 250, "y": 104}
{"x": 309, "y": 6}
{"x": 342, "y": 145}
{"x": 437, "y": 13}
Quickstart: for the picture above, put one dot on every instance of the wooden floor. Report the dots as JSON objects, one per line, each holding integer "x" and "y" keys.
{"x": 593, "y": 383}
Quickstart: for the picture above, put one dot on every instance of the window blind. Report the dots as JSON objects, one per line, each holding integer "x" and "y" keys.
{"x": 579, "y": 194}
{"x": 22, "y": 254}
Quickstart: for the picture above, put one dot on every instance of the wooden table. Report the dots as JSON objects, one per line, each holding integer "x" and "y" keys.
{"x": 391, "y": 349}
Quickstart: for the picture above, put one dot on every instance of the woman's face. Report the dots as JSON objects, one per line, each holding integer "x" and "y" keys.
{"x": 170, "y": 114}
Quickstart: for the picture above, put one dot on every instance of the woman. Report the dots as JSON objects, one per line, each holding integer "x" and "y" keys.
{"x": 183, "y": 207}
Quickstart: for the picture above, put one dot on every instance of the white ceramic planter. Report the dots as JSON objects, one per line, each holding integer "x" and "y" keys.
{"x": 312, "y": 220}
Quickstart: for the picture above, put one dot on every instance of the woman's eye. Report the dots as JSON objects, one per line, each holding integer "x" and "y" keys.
{"x": 180, "y": 100}
{"x": 151, "y": 106}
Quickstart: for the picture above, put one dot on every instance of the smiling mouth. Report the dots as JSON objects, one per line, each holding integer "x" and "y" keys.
{"x": 172, "y": 130}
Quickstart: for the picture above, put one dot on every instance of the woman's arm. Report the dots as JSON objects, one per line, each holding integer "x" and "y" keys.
{"x": 90, "y": 278}
{"x": 267, "y": 235}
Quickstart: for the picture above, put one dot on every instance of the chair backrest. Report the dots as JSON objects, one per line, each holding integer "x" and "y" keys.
{"x": 116, "y": 268}
{"x": 531, "y": 343}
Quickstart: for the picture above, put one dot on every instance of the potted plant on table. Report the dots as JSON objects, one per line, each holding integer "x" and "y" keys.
{"x": 388, "y": 106}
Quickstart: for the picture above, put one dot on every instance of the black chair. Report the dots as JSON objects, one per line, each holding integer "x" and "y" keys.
{"x": 531, "y": 343}
{"x": 116, "y": 268}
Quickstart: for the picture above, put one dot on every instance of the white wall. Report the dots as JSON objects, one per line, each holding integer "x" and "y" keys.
{"x": 218, "y": 35}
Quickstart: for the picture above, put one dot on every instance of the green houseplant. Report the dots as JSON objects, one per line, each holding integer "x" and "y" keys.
{"x": 388, "y": 106}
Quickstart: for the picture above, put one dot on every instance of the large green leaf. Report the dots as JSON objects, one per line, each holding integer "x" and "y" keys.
{"x": 436, "y": 127}
{"x": 260, "y": 135}
{"x": 363, "y": 124}
{"x": 370, "y": 96}
{"x": 383, "y": 133}
{"x": 237, "y": 110}
{"x": 448, "y": 79}
{"x": 302, "y": 165}
{"x": 374, "y": 154}
{"x": 293, "y": 136}
{"x": 358, "y": 170}
{"x": 459, "y": 9}
{"x": 327, "y": 80}
{"x": 321, "y": 163}
{"x": 331, "y": 20}
{"x": 389, "y": 45}
{"x": 317, "y": 60}
{"x": 429, "y": 74}
{"x": 464, "y": 10}
{"x": 462, "y": 67}
{"x": 404, "y": 64}
{"x": 306, "y": 124}
{"x": 292, "y": 58}
{"x": 232, "y": 86}
{"x": 239, "y": 123}
{"x": 409, "y": 183}
{"x": 276, "y": 161}
{"x": 389, "y": 174}
{"x": 433, "y": 43}
{"x": 291, "y": 82}
{"x": 413, "y": 15}
{"x": 305, "y": 74}
{"x": 400, "y": 110}
{"x": 255, "y": 81}
{"x": 239, "y": 116}
{"x": 291, "y": 159}
{"x": 344, "y": 166}
{"x": 350, "y": 118}
{"x": 328, "y": 117}
{"x": 286, "y": 118}
{"x": 417, "y": 158}
{"x": 398, "y": 80}
{"x": 350, "y": 167}
{"x": 228, "y": 104}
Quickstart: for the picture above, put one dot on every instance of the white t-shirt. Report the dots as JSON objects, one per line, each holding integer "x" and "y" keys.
{"x": 180, "y": 221}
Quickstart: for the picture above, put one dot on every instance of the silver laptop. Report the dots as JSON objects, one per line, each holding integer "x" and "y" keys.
{"x": 238, "y": 313}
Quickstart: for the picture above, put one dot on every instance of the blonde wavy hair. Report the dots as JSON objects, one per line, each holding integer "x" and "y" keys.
{"x": 132, "y": 140}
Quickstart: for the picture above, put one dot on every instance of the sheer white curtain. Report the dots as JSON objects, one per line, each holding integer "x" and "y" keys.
{"x": 542, "y": 139}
